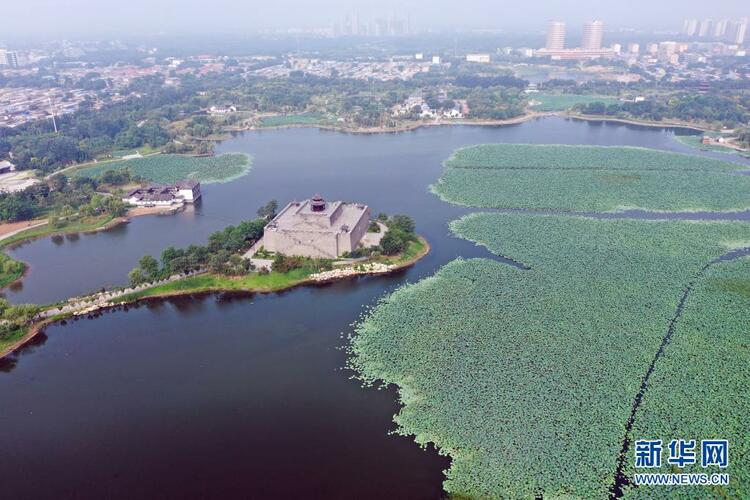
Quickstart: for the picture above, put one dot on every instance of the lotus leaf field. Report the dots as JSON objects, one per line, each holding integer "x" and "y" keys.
{"x": 699, "y": 388}
{"x": 527, "y": 378}
{"x": 168, "y": 168}
{"x": 590, "y": 178}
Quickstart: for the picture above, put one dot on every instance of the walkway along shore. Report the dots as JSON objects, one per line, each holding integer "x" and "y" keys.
{"x": 87, "y": 305}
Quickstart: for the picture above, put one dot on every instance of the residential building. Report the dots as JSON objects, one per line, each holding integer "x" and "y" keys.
{"x": 555, "y": 35}
{"x": 592, "y": 35}
{"x": 478, "y": 58}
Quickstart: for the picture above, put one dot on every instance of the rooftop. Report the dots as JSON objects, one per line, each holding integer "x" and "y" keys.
{"x": 336, "y": 217}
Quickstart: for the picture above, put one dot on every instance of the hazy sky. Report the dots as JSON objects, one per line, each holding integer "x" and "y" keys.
{"x": 210, "y": 16}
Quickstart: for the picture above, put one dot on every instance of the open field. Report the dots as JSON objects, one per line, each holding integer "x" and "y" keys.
{"x": 590, "y": 178}
{"x": 694, "y": 141}
{"x": 516, "y": 374}
{"x": 172, "y": 168}
{"x": 561, "y": 102}
{"x": 300, "y": 119}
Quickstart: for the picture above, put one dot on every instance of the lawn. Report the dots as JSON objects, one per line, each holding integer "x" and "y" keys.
{"x": 169, "y": 168}
{"x": 298, "y": 119}
{"x": 562, "y": 102}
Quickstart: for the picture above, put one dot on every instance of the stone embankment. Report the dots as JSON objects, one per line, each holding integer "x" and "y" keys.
{"x": 79, "y": 306}
{"x": 372, "y": 268}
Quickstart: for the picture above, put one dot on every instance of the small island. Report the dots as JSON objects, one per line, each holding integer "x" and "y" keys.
{"x": 308, "y": 242}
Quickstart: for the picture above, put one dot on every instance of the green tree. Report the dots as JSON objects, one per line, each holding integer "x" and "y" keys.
{"x": 136, "y": 277}
{"x": 149, "y": 266}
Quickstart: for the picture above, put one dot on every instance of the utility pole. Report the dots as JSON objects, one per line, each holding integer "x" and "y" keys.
{"x": 52, "y": 112}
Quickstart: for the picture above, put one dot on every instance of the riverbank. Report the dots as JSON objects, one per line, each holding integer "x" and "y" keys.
{"x": 14, "y": 234}
{"x": 206, "y": 283}
{"x": 531, "y": 115}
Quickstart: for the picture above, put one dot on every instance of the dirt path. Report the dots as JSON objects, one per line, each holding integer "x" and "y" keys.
{"x": 9, "y": 229}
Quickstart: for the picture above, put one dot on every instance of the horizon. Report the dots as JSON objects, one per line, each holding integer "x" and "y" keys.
{"x": 167, "y": 18}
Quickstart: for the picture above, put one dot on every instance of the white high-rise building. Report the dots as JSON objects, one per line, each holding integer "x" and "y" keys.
{"x": 592, "y": 35}
{"x": 737, "y": 31}
{"x": 704, "y": 29}
{"x": 634, "y": 48}
{"x": 555, "y": 35}
{"x": 690, "y": 27}
{"x": 719, "y": 28}
{"x": 9, "y": 58}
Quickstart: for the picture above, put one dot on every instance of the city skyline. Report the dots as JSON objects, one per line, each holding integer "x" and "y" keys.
{"x": 225, "y": 16}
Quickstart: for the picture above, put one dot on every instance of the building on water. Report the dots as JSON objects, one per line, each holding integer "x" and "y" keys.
{"x": 317, "y": 228}
{"x": 164, "y": 195}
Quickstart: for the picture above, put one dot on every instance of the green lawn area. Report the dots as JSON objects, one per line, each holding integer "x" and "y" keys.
{"x": 168, "y": 168}
{"x": 12, "y": 338}
{"x": 299, "y": 119}
{"x": 269, "y": 282}
{"x": 78, "y": 226}
{"x": 561, "y": 102}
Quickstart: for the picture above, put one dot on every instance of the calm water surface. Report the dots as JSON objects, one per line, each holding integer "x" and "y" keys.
{"x": 245, "y": 397}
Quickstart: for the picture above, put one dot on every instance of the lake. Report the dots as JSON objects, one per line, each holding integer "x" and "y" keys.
{"x": 221, "y": 396}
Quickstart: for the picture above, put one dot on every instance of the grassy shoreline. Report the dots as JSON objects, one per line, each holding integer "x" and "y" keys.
{"x": 210, "y": 283}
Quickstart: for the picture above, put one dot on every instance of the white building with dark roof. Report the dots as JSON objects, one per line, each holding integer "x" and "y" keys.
{"x": 317, "y": 228}
{"x": 157, "y": 195}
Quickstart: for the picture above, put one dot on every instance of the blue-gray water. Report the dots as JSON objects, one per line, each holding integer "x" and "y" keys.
{"x": 220, "y": 397}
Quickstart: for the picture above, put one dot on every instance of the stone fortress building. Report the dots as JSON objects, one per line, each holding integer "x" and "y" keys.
{"x": 317, "y": 228}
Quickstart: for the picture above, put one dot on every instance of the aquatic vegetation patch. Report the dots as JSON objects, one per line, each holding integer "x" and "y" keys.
{"x": 526, "y": 377}
{"x": 699, "y": 388}
{"x": 169, "y": 168}
{"x": 562, "y": 156}
{"x": 592, "y": 178}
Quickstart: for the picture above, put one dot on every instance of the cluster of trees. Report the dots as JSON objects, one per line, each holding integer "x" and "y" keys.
{"x": 726, "y": 110}
{"x": 286, "y": 263}
{"x": 13, "y": 318}
{"x": 100, "y": 204}
{"x": 55, "y": 195}
{"x": 90, "y": 133}
{"x": 399, "y": 234}
{"x": 221, "y": 255}
{"x": 496, "y": 103}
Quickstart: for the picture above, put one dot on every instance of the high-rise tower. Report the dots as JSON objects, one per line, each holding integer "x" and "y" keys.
{"x": 592, "y": 35}
{"x": 555, "y": 35}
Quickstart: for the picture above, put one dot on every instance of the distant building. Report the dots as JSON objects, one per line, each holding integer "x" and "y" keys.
{"x": 634, "y": 48}
{"x": 737, "y": 31}
{"x": 6, "y": 167}
{"x": 435, "y": 59}
{"x": 478, "y": 58}
{"x": 419, "y": 56}
{"x": 555, "y": 35}
{"x": 704, "y": 28}
{"x": 9, "y": 58}
{"x": 690, "y": 27}
{"x": 317, "y": 228}
{"x": 593, "y": 33}
{"x": 157, "y": 195}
